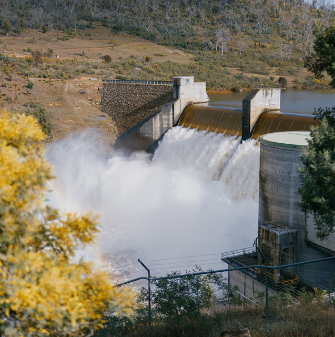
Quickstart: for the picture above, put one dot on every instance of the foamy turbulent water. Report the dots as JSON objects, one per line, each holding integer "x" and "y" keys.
{"x": 194, "y": 199}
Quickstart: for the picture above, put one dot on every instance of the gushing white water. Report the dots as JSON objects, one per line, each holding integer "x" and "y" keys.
{"x": 197, "y": 196}
{"x": 205, "y": 152}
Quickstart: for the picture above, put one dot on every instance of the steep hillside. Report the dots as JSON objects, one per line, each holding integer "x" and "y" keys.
{"x": 57, "y": 51}
{"x": 235, "y": 44}
{"x": 64, "y": 74}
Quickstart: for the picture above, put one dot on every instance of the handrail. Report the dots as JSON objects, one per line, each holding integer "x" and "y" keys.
{"x": 227, "y": 269}
{"x": 105, "y": 80}
{"x": 238, "y": 252}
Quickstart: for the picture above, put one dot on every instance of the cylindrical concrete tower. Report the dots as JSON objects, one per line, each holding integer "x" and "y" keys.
{"x": 285, "y": 233}
{"x": 280, "y": 181}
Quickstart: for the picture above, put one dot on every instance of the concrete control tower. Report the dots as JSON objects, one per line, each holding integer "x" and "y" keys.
{"x": 286, "y": 235}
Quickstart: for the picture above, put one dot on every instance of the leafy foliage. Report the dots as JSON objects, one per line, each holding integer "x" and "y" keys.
{"x": 312, "y": 313}
{"x": 30, "y": 85}
{"x": 270, "y": 38}
{"x": 324, "y": 57}
{"x": 43, "y": 292}
{"x": 37, "y": 110}
{"x": 182, "y": 299}
{"x": 6, "y": 26}
{"x": 178, "y": 307}
{"x": 107, "y": 59}
{"x": 282, "y": 82}
{"x": 318, "y": 173}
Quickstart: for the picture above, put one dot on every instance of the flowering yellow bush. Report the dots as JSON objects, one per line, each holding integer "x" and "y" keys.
{"x": 42, "y": 292}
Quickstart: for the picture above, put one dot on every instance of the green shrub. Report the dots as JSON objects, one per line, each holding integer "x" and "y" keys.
{"x": 178, "y": 310}
{"x": 235, "y": 89}
{"x": 37, "y": 57}
{"x": 37, "y": 110}
{"x": 120, "y": 77}
{"x": 64, "y": 38}
{"x": 107, "y": 59}
{"x": 50, "y": 52}
{"x": 282, "y": 82}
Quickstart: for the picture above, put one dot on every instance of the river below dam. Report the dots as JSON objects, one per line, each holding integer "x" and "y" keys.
{"x": 194, "y": 199}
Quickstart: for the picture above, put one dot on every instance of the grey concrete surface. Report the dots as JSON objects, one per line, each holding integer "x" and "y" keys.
{"x": 256, "y": 102}
{"x": 279, "y": 181}
{"x": 145, "y": 135}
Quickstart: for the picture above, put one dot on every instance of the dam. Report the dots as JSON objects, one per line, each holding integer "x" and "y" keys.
{"x": 194, "y": 198}
{"x": 229, "y": 121}
{"x": 190, "y": 108}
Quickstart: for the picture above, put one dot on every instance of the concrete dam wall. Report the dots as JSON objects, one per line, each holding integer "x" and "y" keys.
{"x": 145, "y": 110}
{"x": 145, "y": 135}
{"x": 247, "y": 122}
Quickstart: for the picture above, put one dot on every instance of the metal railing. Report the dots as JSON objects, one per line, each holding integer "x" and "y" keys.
{"x": 229, "y": 298}
{"x": 106, "y": 80}
{"x": 238, "y": 252}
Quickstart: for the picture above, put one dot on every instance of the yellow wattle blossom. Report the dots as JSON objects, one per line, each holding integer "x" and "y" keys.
{"x": 43, "y": 293}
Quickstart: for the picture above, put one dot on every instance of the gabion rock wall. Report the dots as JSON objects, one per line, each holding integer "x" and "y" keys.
{"x": 129, "y": 104}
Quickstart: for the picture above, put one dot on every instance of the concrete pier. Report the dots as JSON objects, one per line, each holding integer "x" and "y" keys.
{"x": 254, "y": 104}
{"x": 145, "y": 135}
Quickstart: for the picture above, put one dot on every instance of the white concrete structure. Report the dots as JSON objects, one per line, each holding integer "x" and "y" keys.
{"x": 145, "y": 135}
{"x": 256, "y": 102}
{"x": 186, "y": 91}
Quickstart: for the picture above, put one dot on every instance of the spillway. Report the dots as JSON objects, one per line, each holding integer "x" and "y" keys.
{"x": 212, "y": 119}
{"x": 195, "y": 197}
{"x": 269, "y": 122}
{"x": 229, "y": 121}
{"x": 175, "y": 210}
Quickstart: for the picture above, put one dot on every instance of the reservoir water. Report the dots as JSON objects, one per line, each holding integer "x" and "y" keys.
{"x": 298, "y": 101}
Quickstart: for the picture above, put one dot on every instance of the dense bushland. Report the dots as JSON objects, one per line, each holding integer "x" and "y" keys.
{"x": 206, "y": 66}
{"x": 263, "y": 39}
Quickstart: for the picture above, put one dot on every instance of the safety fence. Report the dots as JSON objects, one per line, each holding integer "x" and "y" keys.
{"x": 106, "y": 80}
{"x": 250, "y": 300}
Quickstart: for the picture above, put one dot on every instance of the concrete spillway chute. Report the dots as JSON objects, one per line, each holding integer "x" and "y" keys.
{"x": 260, "y": 114}
{"x": 212, "y": 119}
{"x": 230, "y": 121}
